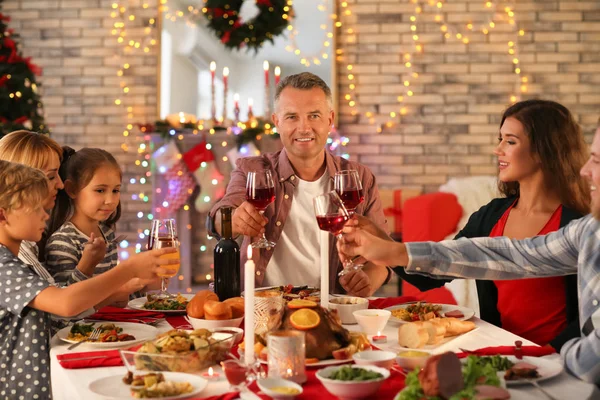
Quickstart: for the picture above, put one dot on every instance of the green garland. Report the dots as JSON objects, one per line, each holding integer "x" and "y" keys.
{"x": 224, "y": 20}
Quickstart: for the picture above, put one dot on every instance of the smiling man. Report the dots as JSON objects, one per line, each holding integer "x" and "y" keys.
{"x": 302, "y": 170}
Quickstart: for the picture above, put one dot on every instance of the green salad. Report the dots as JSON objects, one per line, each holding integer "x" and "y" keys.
{"x": 474, "y": 373}
{"x": 347, "y": 373}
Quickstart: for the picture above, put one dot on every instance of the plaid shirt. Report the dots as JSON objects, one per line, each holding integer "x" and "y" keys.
{"x": 575, "y": 249}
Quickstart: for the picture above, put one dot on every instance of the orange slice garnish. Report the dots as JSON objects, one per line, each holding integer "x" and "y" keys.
{"x": 305, "y": 319}
{"x": 311, "y": 360}
{"x": 300, "y": 303}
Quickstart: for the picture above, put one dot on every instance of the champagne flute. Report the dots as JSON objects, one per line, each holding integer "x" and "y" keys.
{"x": 260, "y": 192}
{"x": 331, "y": 217}
{"x": 163, "y": 235}
{"x": 348, "y": 186}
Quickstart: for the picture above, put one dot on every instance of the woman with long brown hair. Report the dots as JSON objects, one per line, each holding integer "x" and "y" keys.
{"x": 540, "y": 152}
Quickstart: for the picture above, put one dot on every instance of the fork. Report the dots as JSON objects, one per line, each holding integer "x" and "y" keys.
{"x": 93, "y": 337}
{"x": 541, "y": 389}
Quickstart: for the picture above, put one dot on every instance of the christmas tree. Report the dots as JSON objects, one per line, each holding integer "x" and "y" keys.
{"x": 20, "y": 105}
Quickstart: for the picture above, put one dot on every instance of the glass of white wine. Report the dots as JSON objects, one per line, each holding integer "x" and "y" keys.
{"x": 164, "y": 234}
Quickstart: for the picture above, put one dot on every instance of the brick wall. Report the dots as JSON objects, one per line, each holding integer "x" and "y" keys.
{"x": 71, "y": 41}
{"x": 452, "y": 118}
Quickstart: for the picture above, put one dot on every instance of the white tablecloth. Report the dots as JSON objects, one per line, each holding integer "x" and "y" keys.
{"x": 69, "y": 384}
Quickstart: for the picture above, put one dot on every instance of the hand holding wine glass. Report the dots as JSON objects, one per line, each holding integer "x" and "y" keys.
{"x": 260, "y": 192}
{"x": 163, "y": 235}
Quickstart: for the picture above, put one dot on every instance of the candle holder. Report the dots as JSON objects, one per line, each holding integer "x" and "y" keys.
{"x": 211, "y": 375}
{"x": 287, "y": 355}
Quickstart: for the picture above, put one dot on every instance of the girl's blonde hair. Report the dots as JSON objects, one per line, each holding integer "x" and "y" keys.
{"x": 32, "y": 149}
{"x": 21, "y": 186}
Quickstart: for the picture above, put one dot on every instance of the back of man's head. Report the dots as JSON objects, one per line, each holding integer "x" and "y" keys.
{"x": 304, "y": 81}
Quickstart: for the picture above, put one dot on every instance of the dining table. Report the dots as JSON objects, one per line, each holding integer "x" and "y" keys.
{"x": 68, "y": 384}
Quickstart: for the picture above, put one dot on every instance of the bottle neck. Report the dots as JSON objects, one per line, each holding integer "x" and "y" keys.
{"x": 226, "y": 230}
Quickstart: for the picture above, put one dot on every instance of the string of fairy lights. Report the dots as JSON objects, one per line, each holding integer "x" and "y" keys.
{"x": 462, "y": 34}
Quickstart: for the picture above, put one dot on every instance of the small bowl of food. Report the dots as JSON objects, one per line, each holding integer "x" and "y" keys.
{"x": 346, "y": 305}
{"x": 377, "y": 358}
{"x": 352, "y": 381}
{"x": 238, "y": 333}
{"x": 279, "y": 388}
{"x": 410, "y": 359}
{"x": 214, "y": 324}
{"x": 372, "y": 321}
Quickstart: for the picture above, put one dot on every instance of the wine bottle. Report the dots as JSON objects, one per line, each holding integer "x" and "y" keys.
{"x": 227, "y": 260}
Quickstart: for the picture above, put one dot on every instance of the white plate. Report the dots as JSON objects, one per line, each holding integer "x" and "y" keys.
{"x": 467, "y": 312}
{"x": 141, "y": 332}
{"x": 546, "y": 368}
{"x": 138, "y": 304}
{"x": 322, "y": 363}
{"x": 392, "y": 345}
{"x": 112, "y": 387}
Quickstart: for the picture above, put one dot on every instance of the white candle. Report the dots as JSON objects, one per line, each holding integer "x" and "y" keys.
{"x": 324, "y": 269}
{"x": 249, "y": 309}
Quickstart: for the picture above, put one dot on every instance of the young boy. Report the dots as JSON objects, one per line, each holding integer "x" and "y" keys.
{"x": 26, "y": 299}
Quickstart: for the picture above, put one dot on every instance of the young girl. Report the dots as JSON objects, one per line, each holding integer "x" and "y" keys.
{"x": 28, "y": 299}
{"x": 82, "y": 237}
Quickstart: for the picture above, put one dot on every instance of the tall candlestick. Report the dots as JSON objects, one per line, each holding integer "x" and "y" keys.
{"x": 249, "y": 309}
{"x": 277, "y": 75}
{"x": 267, "y": 92}
{"x": 213, "y": 108}
{"x": 250, "y": 104}
{"x": 236, "y": 106}
{"x": 225, "y": 81}
{"x": 324, "y": 242}
{"x": 266, "y": 68}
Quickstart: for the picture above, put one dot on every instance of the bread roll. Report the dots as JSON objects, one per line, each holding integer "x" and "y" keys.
{"x": 195, "y": 307}
{"x": 237, "y": 306}
{"x": 217, "y": 310}
{"x": 430, "y": 329}
{"x": 439, "y": 325}
{"x": 412, "y": 335}
{"x": 458, "y": 327}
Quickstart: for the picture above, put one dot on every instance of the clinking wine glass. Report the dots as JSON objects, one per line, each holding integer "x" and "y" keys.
{"x": 348, "y": 186}
{"x": 331, "y": 216}
{"x": 164, "y": 234}
{"x": 260, "y": 192}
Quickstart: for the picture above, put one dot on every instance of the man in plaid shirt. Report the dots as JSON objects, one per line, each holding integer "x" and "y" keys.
{"x": 575, "y": 249}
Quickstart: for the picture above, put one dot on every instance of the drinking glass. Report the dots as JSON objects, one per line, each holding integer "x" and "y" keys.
{"x": 331, "y": 216}
{"x": 164, "y": 234}
{"x": 240, "y": 375}
{"x": 260, "y": 192}
{"x": 348, "y": 186}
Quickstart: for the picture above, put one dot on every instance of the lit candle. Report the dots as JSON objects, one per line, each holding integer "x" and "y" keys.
{"x": 379, "y": 338}
{"x": 211, "y": 375}
{"x": 236, "y": 106}
{"x": 266, "y": 68}
{"x": 277, "y": 75}
{"x": 250, "y": 104}
{"x": 249, "y": 307}
{"x": 225, "y": 81}
{"x": 324, "y": 269}
{"x": 213, "y": 108}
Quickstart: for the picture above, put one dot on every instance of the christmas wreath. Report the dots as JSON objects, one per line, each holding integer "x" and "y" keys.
{"x": 224, "y": 20}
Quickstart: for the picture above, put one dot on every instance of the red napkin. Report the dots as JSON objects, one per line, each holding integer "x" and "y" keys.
{"x": 125, "y": 315}
{"x": 385, "y": 302}
{"x": 531, "y": 351}
{"x": 90, "y": 359}
{"x": 179, "y": 322}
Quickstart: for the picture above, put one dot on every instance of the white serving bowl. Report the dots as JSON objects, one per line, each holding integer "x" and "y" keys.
{"x": 377, "y": 358}
{"x": 372, "y": 321}
{"x": 238, "y": 333}
{"x": 350, "y": 390}
{"x": 346, "y": 305}
{"x": 201, "y": 323}
{"x": 266, "y": 384}
{"x": 412, "y": 362}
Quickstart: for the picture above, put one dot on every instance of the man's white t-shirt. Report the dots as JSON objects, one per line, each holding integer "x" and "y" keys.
{"x": 296, "y": 258}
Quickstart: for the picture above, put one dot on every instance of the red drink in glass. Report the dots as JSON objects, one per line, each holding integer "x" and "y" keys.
{"x": 351, "y": 198}
{"x": 333, "y": 223}
{"x": 260, "y": 198}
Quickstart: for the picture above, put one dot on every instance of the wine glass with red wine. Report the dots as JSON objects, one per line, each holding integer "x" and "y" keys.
{"x": 331, "y": 217}
{"x": 260, "y": 192}
{"x": 348, "y": 186}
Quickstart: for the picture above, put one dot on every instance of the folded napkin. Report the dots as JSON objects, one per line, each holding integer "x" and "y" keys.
{"x": 531, "y": 351}
{"x": 90, "y": 359}
{"x": 179, "y": 322}
{"x": 125, "y": 315}
{"x": 385, "y": 302}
